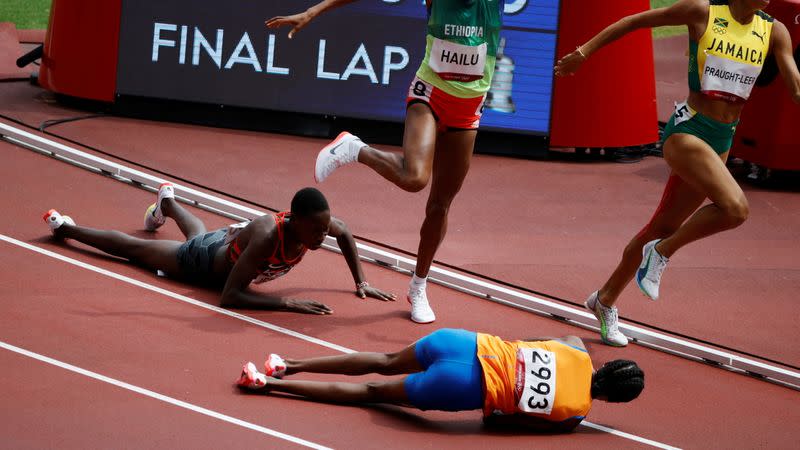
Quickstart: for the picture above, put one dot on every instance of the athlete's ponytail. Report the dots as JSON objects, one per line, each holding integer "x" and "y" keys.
{"x": 618, "y": 381}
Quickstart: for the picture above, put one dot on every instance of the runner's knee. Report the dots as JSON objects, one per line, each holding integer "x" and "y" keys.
{"x": 736, "y": 211}
{"x": 384, "y": 364}
{"x": 414, "y": 181}
{"x": 375, "y": 391}
{"x": 391, "y": 364}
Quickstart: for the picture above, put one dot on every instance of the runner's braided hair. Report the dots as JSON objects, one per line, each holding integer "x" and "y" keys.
{"x": 308, "y": 201}
{"x": 620, "y": 380}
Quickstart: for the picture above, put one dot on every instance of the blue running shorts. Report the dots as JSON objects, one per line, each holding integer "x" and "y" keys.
{"x": 452, "y": 379}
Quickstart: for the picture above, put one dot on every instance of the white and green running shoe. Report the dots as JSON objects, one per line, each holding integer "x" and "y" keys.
{"x": 609, "y": 321}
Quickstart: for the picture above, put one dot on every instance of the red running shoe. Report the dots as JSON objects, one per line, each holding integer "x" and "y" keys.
{"x": 251, "y": 378}
{"x": 275, "y": 366}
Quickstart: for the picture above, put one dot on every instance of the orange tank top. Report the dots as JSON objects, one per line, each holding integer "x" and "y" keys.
{"x": 275, "y": 265}
{"x": 546, "y": 379}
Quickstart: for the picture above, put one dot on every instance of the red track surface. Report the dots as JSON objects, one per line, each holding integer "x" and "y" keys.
{"x": 153, "y": 341}
{"x": 672, "y": 74}
{"x": 558, "y": 228}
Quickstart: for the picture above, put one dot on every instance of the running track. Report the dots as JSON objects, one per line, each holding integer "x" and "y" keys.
{"x": 188, "y": 353}
{"x": 556, "y": 227}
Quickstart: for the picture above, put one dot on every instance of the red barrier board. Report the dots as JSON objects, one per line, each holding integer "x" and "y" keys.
{"x": 80, "y": 48}
{"x": 611, "y": 101}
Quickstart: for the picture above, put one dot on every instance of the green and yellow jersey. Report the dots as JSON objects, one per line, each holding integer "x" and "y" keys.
{"x": 728, "y": 58}
{"x": 461, "y": 45}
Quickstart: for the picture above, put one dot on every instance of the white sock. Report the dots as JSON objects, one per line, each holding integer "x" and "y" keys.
{"x": 359, "y": 145}
{"x": 598, "y": 302}
{"x": 418, "y": 283}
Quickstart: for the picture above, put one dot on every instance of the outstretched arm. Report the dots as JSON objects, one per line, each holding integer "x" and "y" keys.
{"x": 684, "y": 12}
{"x": 300, "y": 20}
{"x": 347, "y": 245}
{"x": 787, "y": 64}
{"x": 236, "y": 292}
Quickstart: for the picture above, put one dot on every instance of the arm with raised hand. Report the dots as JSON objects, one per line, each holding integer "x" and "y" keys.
{"x": 300, "y": 20}
{"x": 682, "y": 12}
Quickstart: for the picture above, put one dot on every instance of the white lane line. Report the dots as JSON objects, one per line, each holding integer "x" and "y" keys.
{"x": 260, "y": 323}
{"x": 176, "y": 296}
{"x": 161, "y": 397}
{"x": 632, "y": 437}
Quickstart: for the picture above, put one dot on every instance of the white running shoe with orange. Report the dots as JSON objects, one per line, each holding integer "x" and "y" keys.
{"x": 251, "y": 378}
{"x": 342, "y": 150}
{"x": 153, "y": 216}
{"x": 275, "y": 366}
{"x": 54, "y": 220}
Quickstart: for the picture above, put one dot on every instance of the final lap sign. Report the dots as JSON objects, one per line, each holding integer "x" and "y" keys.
{"x": 356, "y": 61}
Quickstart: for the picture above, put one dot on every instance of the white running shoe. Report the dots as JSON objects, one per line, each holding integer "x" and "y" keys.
{"x": 153, "y": 217}
{"x": 274, "y": 366}
{"x": 421, "y": 311}
{"x": 607, "y": 316}
{"x": 54, "y": 220}
{"x": 648, "y": 277}
{"x": 342, "y": 150}
{"x": 251, "y": 378}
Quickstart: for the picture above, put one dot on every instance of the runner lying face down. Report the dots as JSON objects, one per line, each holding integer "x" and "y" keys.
{"x": 233, "y": 257}
{"x": 543, "y": 384}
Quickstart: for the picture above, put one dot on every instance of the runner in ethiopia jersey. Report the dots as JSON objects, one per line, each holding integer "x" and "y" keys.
{"x": 547, "y": 384}
{"x": 443, "y": 111}
{"x": 728, "y": 44}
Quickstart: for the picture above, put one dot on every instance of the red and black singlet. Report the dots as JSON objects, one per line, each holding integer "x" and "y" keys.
{"x": 275, "y": 265}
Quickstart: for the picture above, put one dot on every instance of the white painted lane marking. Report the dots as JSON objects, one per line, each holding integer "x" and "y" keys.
{"x": 161, "y": 397}
{"x": 632, "y": 437}
{"x": 174, "y": 295}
